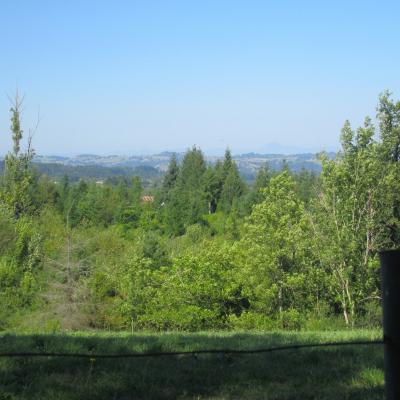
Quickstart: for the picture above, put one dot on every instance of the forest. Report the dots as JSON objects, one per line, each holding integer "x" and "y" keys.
{"x": 204, "y": 249}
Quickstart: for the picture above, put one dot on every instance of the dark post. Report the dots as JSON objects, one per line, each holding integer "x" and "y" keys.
{"x": 390, "y": 272}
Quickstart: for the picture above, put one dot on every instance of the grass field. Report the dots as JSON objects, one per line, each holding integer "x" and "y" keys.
{"x": 354, "y": 372}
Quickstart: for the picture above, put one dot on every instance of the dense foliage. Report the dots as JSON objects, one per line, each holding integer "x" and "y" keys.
{"x": 203, "y": 250}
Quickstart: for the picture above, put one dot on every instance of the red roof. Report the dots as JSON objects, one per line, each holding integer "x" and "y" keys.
{"x": 147, "y": 199}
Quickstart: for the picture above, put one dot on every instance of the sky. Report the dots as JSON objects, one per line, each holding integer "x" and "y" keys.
{"x": 133, "y": 77}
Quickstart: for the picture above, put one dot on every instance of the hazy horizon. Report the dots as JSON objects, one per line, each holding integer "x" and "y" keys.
{"x": 147, "y": 77}
{"x": 269, "y": 149}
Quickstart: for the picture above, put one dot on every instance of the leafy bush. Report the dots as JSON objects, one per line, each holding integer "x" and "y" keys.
{"x": 252, "y": 321}
{"x": 7, "y": 231}
{"x": 291, "y": 319}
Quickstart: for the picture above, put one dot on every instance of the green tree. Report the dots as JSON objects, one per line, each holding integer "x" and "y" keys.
{"x": 211, "y": 189}
{"x": 233, "y": 188}
{"x": 227, "y": 165}
{"x": 16, "y": 191}
{"x": 7, "y": 231}
{"x": 306, "y": 185}
{"x": 255, "y": 195}
{"x": 170, "y": 178}
{"x": 230, "y": 187}
{"x": 198, "y": 289}
{"x": 187, "y": 202}
{"x": 274, "y": 252}
{"x": 389, "y": 123}
{"x": 346, "y": 219}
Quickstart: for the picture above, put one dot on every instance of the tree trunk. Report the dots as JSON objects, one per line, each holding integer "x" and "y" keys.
{"x": 280, "y": 299}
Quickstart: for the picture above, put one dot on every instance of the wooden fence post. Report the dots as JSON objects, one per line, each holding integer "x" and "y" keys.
{"x": 390, "y": 273}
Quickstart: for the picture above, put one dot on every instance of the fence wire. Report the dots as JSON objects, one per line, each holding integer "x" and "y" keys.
{"x": 192, "y": 352}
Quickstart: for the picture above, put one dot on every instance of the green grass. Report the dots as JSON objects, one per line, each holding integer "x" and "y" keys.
{"x": 354, "y": 372}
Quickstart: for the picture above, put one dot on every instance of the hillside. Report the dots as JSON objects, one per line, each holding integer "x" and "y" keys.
{"x": 151, "y": 167}
{"x": 249, "y": 162}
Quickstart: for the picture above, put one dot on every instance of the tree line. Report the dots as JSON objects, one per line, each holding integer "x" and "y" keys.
{"x": 206, "y": 250}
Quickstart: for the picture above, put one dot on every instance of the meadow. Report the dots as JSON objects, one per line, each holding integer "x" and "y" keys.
{"x": 351, "y": 372}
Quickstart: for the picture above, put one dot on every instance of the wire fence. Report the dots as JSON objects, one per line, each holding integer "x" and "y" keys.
{"x": 192, "y": 352}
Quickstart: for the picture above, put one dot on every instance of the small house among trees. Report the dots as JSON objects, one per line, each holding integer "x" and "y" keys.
{"x": 147, "y": 199}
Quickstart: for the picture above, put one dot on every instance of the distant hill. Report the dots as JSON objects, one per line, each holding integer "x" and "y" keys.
{"x": 250, "y": 163}
{"x": 149, "y": 167}
{"x": 93, "y": 171}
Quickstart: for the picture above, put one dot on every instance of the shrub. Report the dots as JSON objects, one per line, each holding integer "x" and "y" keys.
{"x": 252, "y": 321}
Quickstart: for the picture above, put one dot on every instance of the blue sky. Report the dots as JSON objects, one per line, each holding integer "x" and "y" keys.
{"x": 145, "y": 76}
